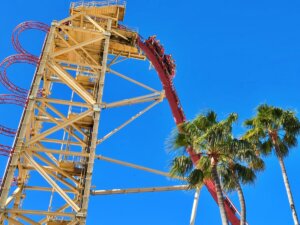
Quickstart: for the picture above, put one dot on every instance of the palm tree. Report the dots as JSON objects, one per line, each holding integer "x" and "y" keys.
{"x": 221, "y": 156}
{"x": 240, "y": 168}
{"x": 276, "y": 129}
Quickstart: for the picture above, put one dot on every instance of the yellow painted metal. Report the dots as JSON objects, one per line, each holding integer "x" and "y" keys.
{"x": 57, "y": 222}
{"x": 74, "y": 59}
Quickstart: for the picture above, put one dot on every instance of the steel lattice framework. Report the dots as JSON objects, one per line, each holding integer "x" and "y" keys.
{"x": 55, "y": 145}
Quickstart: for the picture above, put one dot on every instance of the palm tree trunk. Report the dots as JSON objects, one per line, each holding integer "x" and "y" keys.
{"x": 219, "y": 194}
{"x": 242, "y": 203}
{"x": 288, "y": 190}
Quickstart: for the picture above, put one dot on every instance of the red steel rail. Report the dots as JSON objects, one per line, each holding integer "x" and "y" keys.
{"x": 155, "y": 54}
{"x": 13, "y": 99}
{"x": 5, "y": 150}
{"x": 7, "y": 131}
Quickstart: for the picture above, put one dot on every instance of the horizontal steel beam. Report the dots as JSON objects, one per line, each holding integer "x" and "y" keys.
{"x": 60, "y": 152}
{"x": 140, "y": 190}
{"x": 135, "y": 166}
{"x": 38, "y": 212}
{"x": 64, "y": 102}
{"x": 36, "y": 188}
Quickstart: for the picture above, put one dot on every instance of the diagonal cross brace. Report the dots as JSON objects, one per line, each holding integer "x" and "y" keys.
{"x": 71, "y": 82}
{"x": 58, "y": 127}
{"x": 44, "y": 174}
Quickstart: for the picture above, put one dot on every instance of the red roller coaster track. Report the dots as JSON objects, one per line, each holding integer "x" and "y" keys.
{"x": 7, "y": 131}
{"x": 5, "y": 150}
{"x": 153, "y": 54}
{"x": 12, "y": 99}
{"x": 7, "y": 62}
{"x": 23, "y": 56}
{"x": 27, "y": 25}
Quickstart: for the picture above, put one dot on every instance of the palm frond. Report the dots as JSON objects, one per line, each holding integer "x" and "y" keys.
{"x": 181, "y": 166}
{"x": 257, "y": 164}
{"x": 195, "y": 178}
{"x": 273, "y": 127}
{"x": 228, "y": 180}
{"x": 266, "y": 146}
{"x": 282, "y": 150}
{"x": 245, "y": 174}
{"x": 204, "y": 163}
{"x": 249, "y": 123}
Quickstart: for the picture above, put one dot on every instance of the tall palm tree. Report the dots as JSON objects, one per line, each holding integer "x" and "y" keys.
{"x": 220, "y": 154}
{"x": 276, "y": 129}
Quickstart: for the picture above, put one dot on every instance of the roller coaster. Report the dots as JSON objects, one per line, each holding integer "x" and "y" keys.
{"x": 78, "y": 52}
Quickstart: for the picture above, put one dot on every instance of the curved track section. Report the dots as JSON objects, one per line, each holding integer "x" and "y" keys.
{"x": 165, "y": 77}
{"x": 28, "y": 25}
{"x": 7, "y": 62}
{"x": 155, "y": 54}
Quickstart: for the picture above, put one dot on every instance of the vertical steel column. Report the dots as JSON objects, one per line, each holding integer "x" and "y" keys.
{"x": 99, "y": 95}
{"x": 195, "y": 207}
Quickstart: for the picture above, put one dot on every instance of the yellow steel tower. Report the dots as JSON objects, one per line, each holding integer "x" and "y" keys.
{"x": 54, "y": 150}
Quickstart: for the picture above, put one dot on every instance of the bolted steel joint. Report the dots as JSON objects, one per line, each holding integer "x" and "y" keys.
{"x": 97, "y": 108}
{"x": 81, "y": 215}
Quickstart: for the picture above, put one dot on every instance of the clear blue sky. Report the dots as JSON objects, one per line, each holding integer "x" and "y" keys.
{"x": 230, "y": 58}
